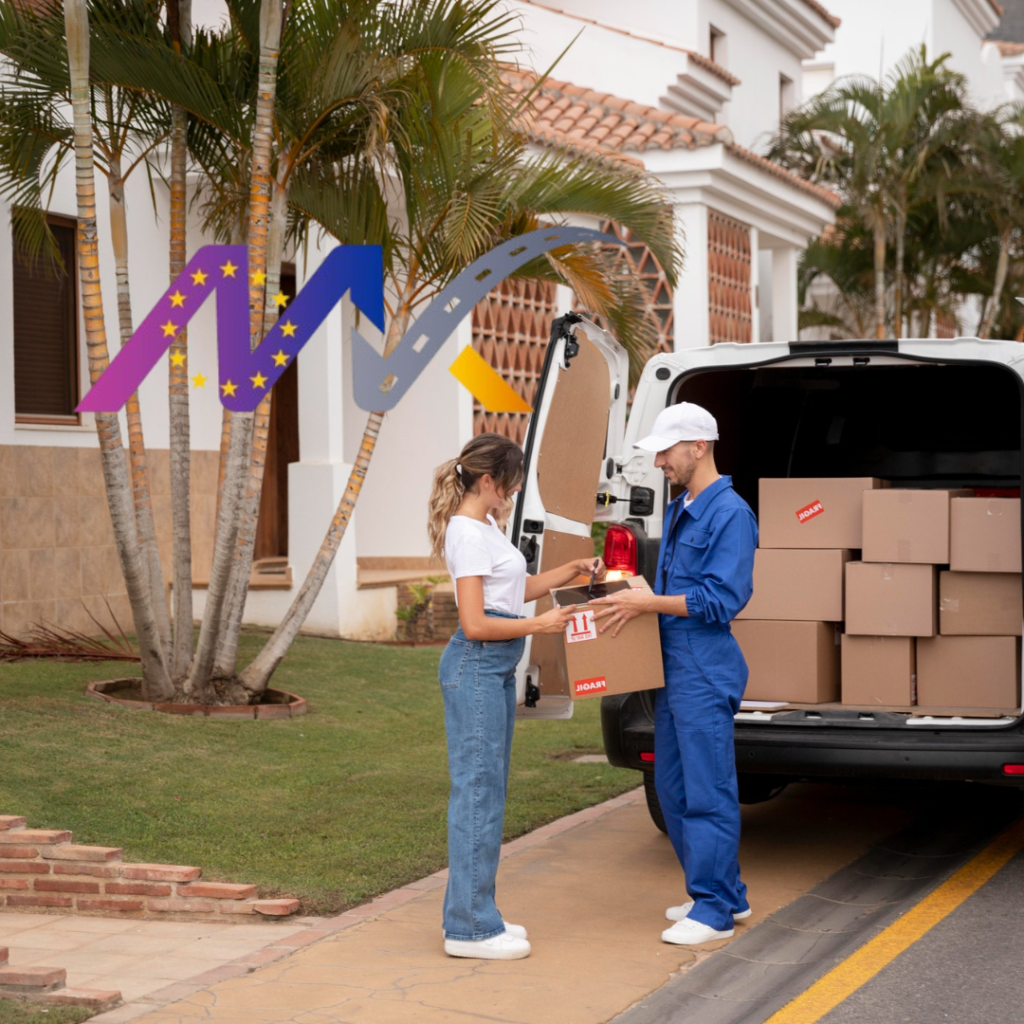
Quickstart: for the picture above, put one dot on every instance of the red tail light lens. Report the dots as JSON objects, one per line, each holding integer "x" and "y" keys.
{"x": 620, "y": 550}
{"x": 645, "y": 756}
{"x": 1013, "y": 769}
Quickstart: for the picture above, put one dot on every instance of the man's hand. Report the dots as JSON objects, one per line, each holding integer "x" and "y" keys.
{"x": 622, "y": 606}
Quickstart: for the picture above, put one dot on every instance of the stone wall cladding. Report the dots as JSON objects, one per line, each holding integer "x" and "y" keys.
{"x": 42, "y": 870}
{"x": 58, "y": 562}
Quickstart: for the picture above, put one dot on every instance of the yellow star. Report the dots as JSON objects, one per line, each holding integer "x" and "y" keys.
{"x": 177, "y": 299}
{"x": 198, "y": 381}
{"x": 280, "y": 359}
{"x": 229, "y": 269}
{"x": 177, "y": 359}
{"x": 169, "y": 329}
{"x": 259, "y": 381}
{"x": 258, "y": 277}
{"x": 280, "y": 299}
{"x": 199, "y": 278}
{"x": 228, "y": 388}
{"x": 288, "y": 329}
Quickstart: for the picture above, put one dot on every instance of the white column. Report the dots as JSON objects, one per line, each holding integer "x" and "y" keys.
{"x": 784, "y": 305}
{"x": 692, "y": 323}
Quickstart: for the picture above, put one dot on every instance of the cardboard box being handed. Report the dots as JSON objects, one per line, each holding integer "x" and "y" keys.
{"x": 598, "y": 664}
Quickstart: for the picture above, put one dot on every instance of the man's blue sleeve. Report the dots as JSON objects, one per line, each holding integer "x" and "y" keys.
{"x": 728, "y": 569}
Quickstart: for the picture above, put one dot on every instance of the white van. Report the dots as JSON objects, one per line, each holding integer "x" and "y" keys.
{"x": 917, "y": 412}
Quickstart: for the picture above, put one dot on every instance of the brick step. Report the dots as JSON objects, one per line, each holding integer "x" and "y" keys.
{"x": 4, "y": 955}
{"x": 25, "y": 980}
{"x": 94, "y": 999}
{"x": 41, "y": 869}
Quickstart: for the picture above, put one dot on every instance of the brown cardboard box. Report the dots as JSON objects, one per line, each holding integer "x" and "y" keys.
{"x": 878, "y": 671}
{"x": 795, "y": 662}
{"x": 598, "y": 663}
{"x": 890, "y": 599}
{"x": 903, "y": 525}
{"x": 797, "y": 585}
{"x": 984, "y": 535}
{"x": 969, "y": 672}
{"x": 980, "y": 603}
{"x": 813, "y": 512}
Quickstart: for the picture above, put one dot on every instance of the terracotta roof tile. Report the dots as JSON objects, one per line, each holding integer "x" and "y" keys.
{"x": 827, "y": 15}
{"x": 826, "y": 195}
{"x": 1010, "y": 49}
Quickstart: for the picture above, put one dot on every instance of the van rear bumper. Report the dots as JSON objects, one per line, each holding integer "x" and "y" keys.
{"x": 831, "y": 751}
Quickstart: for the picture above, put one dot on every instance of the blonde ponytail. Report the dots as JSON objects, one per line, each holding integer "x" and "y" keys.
{"x": 492, "y": 454}
{"x": 445, "y": 497}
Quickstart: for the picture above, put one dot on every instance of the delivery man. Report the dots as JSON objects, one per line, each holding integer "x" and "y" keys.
{"x": 704, "y": 579}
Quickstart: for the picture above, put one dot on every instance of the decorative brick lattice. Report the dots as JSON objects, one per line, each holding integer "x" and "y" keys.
{"x": 41, "y": 869}
{"x": 510, "y": 330}
{"x": 729, "y": 298}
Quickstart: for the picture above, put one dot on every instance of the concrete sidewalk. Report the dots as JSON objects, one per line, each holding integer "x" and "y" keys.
{"x": 591, "y": 889}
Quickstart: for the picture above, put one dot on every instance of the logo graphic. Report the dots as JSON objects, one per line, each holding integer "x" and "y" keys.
{"x": 814, "y": 509}
{"x": 586, "y": 687}
{"x": 581, "y": 627}
{"x": 245, "y": 374}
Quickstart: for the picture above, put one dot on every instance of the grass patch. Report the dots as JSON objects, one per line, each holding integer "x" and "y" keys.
{"x": 12, "y": 1012}
{"x": 335, "y": 807}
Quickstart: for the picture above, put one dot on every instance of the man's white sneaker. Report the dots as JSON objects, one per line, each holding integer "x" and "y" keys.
{"x": 683, "y": 910}
{"x": 499, "y": 947}
{"x": 693, "y": 933}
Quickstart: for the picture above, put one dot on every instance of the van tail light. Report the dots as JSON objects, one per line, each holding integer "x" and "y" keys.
{"x": 1013, "y": 769}
{"x": 620, "y": 551}
{"x": 647, "y": 756}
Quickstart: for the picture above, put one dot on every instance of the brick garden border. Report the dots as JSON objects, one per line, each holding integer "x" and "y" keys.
{"x": 277, "y": 703}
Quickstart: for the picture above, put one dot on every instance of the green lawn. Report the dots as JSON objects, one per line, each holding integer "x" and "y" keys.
{"x": 25, "y": 1013}
{"x": 334, "y": 807}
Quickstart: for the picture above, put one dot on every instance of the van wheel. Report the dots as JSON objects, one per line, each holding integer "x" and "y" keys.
{"x": 653, "y": 807}
{"x": 755, "y": 789}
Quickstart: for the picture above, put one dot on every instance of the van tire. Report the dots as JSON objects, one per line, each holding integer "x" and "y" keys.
{"x": 756, "y": 789}
{"x": 653, "y": 806}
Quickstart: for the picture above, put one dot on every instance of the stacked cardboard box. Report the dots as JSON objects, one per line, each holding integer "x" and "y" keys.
{"x": 929, "y": 613}
{"x": 790, "y": 630}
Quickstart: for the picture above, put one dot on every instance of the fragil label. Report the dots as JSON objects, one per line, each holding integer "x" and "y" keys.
{"x": 810, "y": 511}
{"x": 584, "y": 687}
{"x": 581, "y": 627}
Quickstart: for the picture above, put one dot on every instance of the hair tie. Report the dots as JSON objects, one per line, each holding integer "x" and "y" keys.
{"x": 458, "y": 468}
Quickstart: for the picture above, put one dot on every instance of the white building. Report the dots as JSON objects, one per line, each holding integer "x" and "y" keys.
{"x": 689, "y": 91}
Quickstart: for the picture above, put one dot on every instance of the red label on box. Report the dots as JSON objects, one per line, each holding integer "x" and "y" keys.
{"x": 810, "y": 511}
{"x": 587, "y": 686}
{"x": 581, "y": 627}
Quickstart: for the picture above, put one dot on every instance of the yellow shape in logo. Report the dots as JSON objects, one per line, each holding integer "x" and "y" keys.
{"x": 485, "y": 384}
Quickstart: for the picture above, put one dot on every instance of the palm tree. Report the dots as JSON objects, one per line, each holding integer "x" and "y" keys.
{"x": 157, "y": 683}
{"x": 882, "y": 144}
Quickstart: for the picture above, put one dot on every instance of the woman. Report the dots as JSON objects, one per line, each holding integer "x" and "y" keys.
{"x": 478, "y": 680}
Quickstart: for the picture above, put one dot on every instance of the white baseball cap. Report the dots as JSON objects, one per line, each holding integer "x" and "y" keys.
{"x": 682, "y": 422}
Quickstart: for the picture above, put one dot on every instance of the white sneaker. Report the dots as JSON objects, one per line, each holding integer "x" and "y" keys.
{"x": 693, "y": 933}
{"x": 517, "y": 931}
{"x": 683, "y": 910}
{"x": 499, "y": 947}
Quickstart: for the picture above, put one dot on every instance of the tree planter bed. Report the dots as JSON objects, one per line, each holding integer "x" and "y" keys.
{"x": 127, "y": 693}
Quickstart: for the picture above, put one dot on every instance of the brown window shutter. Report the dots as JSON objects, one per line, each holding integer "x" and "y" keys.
{"x": 46, "y": 332}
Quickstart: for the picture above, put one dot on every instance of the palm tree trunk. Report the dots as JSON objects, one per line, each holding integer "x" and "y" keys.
{"x": 144, "y": 525}
{"x": 180, "y": 24}
{"x": 257, "y": 675}
{"x": 226, "y": 664}
{"x": 1002, "y": 266}
{"x": 901, "y": 242}
{"x": 239, "y": 458}
{"x": 156, "y": 683}
{"x": 879, "y": 237}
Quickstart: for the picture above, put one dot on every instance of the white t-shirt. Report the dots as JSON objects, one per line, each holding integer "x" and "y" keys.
{"x": 472, "y": 548}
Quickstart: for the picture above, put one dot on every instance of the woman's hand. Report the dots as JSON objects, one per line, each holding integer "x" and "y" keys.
{"x": 585, "y": 566}
{"x": 622, "y": 606}
{"x": 554, "y": 621}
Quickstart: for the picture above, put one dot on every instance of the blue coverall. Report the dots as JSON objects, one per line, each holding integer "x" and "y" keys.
{"x": 707, "y": 553}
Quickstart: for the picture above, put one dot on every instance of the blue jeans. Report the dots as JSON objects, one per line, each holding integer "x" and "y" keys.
{"x": 478, "y": 683}
{"x": 695, "y": 766}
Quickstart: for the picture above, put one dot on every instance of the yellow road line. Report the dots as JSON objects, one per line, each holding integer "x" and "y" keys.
{"x": 842, "y": 981}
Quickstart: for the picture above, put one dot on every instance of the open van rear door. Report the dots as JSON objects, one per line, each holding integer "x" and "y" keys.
{"x": 575, "y": 433}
